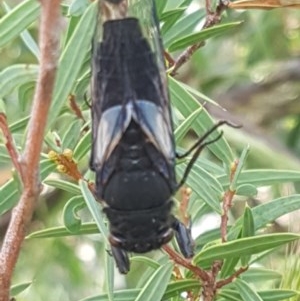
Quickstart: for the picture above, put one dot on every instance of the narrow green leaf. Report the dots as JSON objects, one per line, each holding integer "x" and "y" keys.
{"x": 26, "y": 37}
{"x": 267, "y": 213}
{"x": 160, "y": 6}
{"x": 170, "y": 17}
{"x": 201, "y": 36}
{"x": 157, "y": 284}
{"x": 246, "y": 190}
{"x": 72, "y": 58}
{"x": 109, "y": 275}
{"x": 77, "y": 7}
{"x": 246, "y": 292}
{"x": 95, "y": 210}
{"x": 260, "y": 275}
{"x": 25, "y": 95}
{"x": 242, "y": 247}
{"x": 204, "y": 185}
{"x": 17, "y": 20}
{"x": 71, "y": 134}
{"x": 268, "y": 295}
{"x": 146, "y": 260}
{"x": 19, "y": 288}
{"x": 15, "y": 76}
{"x": 72, "y": 221}
{"x": 19, "y": 125}
{"x": 239, "y": 168}
{"x": 248, "y": 230}
{"x": 83, "y": 146}
{"x": 277, "y": 294}
{"x": 63, "y": 185}
{"x": 173, "y": 289}
{"x": 187, "y": 104}
{"x": 229, "y": 267}
{"x": 228, "y": 295}
{"x": 185, "y": 126}
{"x": 197, "y": 93}
{"x": 183, "y": 26}
{"x": 86, "y": 228}
{"x": 263, "y": 177}
{"x": 122, "y": 295}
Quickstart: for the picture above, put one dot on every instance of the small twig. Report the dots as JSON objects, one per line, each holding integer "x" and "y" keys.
{"x": 227, "y": 203}
{"x": 186, "y": 263}
{"x": 183, "y": 209}
{"x": 212, "y": 18}
{"x": 228, "y": 280}
{"x": 29, "y": 163}
{"x": 75, "y": 108}
{"x": 9, "y": 143}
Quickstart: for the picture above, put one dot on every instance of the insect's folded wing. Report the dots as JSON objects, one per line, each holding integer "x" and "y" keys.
{"x": 111, "y": 127}
{"x": 156, "y": 124}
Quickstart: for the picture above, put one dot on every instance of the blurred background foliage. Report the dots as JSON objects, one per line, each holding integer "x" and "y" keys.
{"x": 253, "y": 71}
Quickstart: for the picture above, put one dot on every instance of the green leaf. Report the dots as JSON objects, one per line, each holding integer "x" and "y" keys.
{"x": 83, "y": 146}
{"x": 77, "y": 7}
{"x": 242, "y": 247}
{"x": 177, "y": 287}
{"x": 72, "y": 58}
{"x": 239, "y": 168}
{"x": 246, "y": 292}
{"x": 95, "y": 210}
{"x": 246, "y": 190}
{"x": 72, "y": 221}
{"x": 185, "y": 126}
{"x": 19, "y": 288}
{"x": 16, "y": 75}
{"x": 25, "y": 94}
{"x": 71, "y": 134}
{"x": 205, "y": 187}
{"x": 170, "y": 18}
{"x": 277, "y": 294}
{"x": 26, "y": 37}
{"x": 267, "y": 213}
{"x": 160, "y": 6}
{"x": 260, "y": 275}
{"x": 187, "y": 104}
{"x": 229, "y": 266}
{"x": 201, "y": 36}
{"x": 19, "y": 125}
{"x": 182, "y": 27}
{"x": 122, "y": 295}
{"x": 63, "y": 185}
{"x": 109, "y": 275}
{"x": 248, "y": 230}
{"x": 17, "y": 20}
{"x": 157, "y": 284}
{"x": 146, "y": 260}
{"x": 262, "y": 177}
{"x": 86, "y": 228}
{"x": 268, "y": 295}
{"x": 173, "y": 289}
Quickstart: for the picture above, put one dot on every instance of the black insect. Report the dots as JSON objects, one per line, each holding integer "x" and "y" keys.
{"x": 133, "y": 152}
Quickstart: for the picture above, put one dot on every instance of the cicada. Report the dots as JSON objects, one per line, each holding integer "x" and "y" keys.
{"x": 133, "y": 149}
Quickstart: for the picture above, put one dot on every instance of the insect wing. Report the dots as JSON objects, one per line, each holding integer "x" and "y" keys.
{"x": 129, "y": 82}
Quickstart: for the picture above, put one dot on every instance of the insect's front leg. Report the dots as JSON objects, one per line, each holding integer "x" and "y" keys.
{"x": 183, "y": 238}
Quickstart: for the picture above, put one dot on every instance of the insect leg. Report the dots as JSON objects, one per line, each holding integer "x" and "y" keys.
{"x": 121, "y": 259}
{"x": 199, "y": 146}
{"x": 183, "y": 238}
